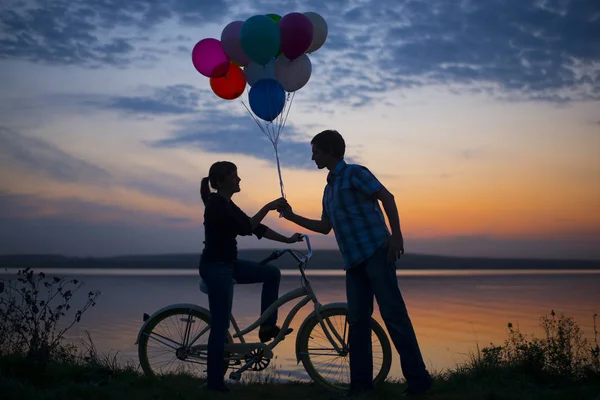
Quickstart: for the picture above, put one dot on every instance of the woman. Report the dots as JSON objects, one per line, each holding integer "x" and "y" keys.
{"x": 219, "y": 265}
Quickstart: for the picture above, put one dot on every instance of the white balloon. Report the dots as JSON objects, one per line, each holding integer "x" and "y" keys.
{"x": 320, "y": 31}
{"x": 255, "y": 72}
{"x": 293, "y": 75}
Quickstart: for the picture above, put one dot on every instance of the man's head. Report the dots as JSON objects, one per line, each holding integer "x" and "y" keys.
{"x": 328, "y": 148}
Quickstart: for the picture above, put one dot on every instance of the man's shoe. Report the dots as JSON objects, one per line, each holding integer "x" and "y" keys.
{"x": 419, "y": 389}
{"x": 354, "y": 393}
{"x": 218, "y": 388}
{"x": 265, "y": 336}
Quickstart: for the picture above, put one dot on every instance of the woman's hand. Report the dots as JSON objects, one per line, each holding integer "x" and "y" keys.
{"x": 296, "y": 237}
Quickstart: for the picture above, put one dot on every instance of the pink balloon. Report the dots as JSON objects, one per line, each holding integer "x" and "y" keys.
{"x": 297, "y": 33}
{"x": 230, "y": 38}
{"x": 209, "y": 58}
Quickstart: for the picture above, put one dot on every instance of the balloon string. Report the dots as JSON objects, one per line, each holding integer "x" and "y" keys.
{"x": 286, "y": 115}
{"x": 270, "y": 113}
{"x": 279, "y": 171}
{"x": 255, "y": 120}
{"x": 280, "y": 178}
{"x": 280, "y": 116}
{"x": 272, "y": 133}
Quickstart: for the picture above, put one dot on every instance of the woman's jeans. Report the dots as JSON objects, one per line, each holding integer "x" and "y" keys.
{"x": 219, "y": 280}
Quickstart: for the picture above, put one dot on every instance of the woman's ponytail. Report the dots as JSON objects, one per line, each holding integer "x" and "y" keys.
{"x": 204, "y": 190}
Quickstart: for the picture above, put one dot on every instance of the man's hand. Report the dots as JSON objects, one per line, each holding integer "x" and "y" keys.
{"x": 276, "y": 204}
{"x": 395, "y": 247}
{"x": 285, "y": 210}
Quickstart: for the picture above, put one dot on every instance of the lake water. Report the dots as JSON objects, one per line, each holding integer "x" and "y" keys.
{"x": 452, "y": 311}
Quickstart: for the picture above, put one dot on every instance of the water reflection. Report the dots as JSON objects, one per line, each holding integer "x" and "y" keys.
{"x": 452, "y": 311}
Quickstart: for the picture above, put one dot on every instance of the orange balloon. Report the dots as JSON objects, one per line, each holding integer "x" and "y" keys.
{"x": 231, "y": 86}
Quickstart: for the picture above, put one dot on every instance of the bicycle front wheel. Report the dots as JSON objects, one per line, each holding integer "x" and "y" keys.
{"x": 330, "y": 367}
{"x": 174, "y": 342}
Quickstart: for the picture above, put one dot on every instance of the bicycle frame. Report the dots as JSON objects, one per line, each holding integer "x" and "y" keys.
{"x": 242, "y": 349}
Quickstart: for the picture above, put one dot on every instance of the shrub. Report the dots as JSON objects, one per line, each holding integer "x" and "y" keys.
{"x": 32, "y": 307}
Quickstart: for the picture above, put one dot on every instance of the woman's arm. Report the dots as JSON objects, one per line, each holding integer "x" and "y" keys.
{"x": 262, "y": 213}
{"x": 272, "y": 235}
{"x": 259, "y": 216}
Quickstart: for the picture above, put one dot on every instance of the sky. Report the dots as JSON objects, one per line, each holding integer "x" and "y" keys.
{"x": 482, "y": 118}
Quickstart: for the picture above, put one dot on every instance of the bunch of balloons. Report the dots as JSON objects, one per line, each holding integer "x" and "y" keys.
{"x": 267, "y": 52}
{"x": 270, "y": 54}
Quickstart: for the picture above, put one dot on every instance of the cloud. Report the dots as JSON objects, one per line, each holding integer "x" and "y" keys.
{"x": 516, "y": 45}
{"x": 218, "y": 131}
{"x": 163, "y": 184}
{"x": 43, "y": 157}
{"x": 176, "y": 220}
{"x": 171, "y": 100}
{"x": 567, "y": 246}
{"x": 39, "y": 156}
{"x": 511, "y": 49}
{"x": 203, "y": 122}
{"x": 144, "y": 102}
{"x": 538, "y": 50}
{"x": 31, "y": 224}
{"x": 213, "y": 130}
{"x": 90, "y": 33}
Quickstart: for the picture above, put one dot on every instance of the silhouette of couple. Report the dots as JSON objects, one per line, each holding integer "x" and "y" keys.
{"x": 351, "y": 209}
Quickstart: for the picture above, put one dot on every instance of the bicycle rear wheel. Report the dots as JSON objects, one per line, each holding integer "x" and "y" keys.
{"x": 165, "y": 344}
{"x": 331, "y": 368}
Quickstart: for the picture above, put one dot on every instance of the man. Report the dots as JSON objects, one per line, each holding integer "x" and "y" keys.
{"x": 351, "y": 208}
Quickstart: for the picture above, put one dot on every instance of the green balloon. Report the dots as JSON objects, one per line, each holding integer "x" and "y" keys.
{"x": 274, "y": 17}
{"x": 260, "y": 38}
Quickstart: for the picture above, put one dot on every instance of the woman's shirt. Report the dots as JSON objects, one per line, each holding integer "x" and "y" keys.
{"x": 223, "y": 222}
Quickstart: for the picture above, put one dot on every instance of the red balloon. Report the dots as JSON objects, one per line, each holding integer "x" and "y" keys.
{"x": 297, "y": 32}
{"x": 231, "y": 86}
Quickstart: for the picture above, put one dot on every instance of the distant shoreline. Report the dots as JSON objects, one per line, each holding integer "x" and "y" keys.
{"x": 322, "y": 259}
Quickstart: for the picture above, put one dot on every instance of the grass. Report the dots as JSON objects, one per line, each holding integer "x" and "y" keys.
{"x": 561, "y": 365}
{"x": 83, "y": 380}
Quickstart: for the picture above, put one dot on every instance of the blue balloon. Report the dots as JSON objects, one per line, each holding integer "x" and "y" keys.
{"x": 267, "y": 99}
{"x": 260, "y": 38}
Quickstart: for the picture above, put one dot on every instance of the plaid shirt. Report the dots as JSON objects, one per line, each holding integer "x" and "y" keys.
{"x": 350, "y": 205}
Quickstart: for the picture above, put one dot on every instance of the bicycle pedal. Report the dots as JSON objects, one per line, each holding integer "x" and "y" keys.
{"x": 235, "y": 376}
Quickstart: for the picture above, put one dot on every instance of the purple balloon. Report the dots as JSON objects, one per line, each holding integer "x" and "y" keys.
{"x": 230, "y": 38}
{"x": 209, "y": 58}
{"x": 297, "y": 33}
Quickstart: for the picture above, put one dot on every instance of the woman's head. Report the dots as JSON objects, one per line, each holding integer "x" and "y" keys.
{"x": 222, "y": 176}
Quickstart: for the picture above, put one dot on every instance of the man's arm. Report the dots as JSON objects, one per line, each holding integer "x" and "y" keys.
{"x": 391, "y": 210}
{"x": 396, "y": 241}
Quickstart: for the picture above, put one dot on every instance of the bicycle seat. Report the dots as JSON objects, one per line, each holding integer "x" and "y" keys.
{"x": 204, "y": 288}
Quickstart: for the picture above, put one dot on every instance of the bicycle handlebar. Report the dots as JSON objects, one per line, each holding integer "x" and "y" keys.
{"x": 308, "y": 255}
{"x": 303, "y": 258}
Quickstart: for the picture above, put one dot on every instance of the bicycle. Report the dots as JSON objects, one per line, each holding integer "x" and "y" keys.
{"x": 323, "y": 333}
